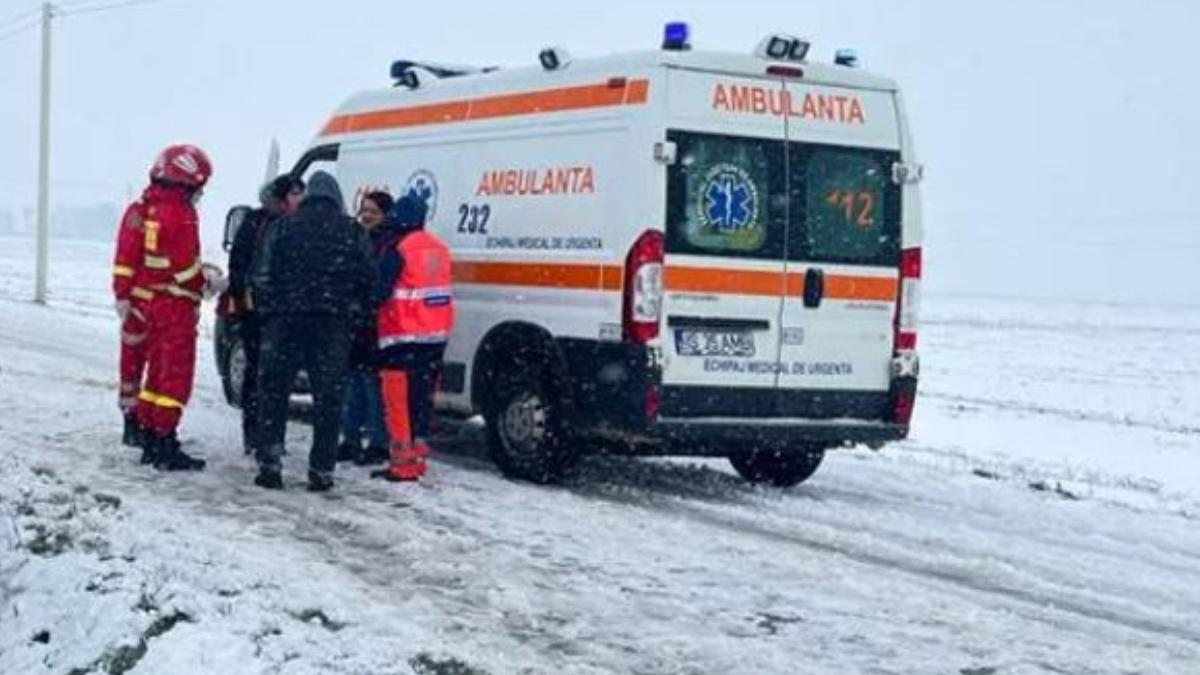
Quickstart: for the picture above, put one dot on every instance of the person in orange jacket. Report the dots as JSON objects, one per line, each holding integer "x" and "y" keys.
{"x": 158, "y": 282}
{"x": 416, "y": 317}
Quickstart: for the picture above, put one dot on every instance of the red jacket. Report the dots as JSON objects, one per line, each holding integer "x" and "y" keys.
{"x": 158, "y": 247}
{"x": 421, "y": 308}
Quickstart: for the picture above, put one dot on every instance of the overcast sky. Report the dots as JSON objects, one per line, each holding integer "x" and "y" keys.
{"x": 1060, "y": 137}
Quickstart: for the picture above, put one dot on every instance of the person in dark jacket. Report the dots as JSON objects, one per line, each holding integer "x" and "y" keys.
{"x": 312, "y": 277}
{"x": 279, "y": 197}
{"x": 364, "y": 403}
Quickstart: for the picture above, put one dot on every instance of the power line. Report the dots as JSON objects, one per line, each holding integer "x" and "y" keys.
{"x": 18, "y": 30}
{"x": 19, "y": 17}
{"x": 66, "y": 9}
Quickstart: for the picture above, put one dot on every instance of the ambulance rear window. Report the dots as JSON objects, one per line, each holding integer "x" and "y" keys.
{"x": 726, "y": 196}
{"x": 849, "y": 205}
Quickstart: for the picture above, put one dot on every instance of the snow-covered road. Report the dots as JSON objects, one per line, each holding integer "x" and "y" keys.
{"x": 1044, "y": 518}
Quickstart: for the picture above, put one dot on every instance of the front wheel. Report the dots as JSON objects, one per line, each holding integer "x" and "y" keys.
{"x": 526, "y": 426}
{"x": 236, "y": 372}
{"x": 781, "y": 467}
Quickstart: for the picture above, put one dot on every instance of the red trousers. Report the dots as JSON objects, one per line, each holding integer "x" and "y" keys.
{"x": 170, "y": 351}
{"x": 133, "y": 358}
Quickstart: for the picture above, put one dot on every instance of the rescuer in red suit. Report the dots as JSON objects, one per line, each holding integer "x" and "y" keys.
{"x": 158, "y": 282}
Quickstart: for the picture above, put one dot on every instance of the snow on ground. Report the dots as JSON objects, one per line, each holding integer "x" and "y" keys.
{"x": 933, "y": 556}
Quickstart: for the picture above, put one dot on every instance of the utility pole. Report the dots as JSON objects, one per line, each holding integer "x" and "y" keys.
{"x": 43, "y": 199}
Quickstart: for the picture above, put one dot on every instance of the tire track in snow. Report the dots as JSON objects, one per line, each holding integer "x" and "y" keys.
{"x": 1040, "y": 603}
{"x": 1064, "y": 413}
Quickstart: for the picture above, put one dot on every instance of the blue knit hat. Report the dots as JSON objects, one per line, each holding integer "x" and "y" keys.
{"x": 409, "y": 211}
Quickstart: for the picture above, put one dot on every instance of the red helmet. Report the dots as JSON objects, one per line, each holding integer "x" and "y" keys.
{"x": 182, "y": 164}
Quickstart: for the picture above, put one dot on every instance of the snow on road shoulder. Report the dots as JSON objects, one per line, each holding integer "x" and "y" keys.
{"x": 109, "y": 583}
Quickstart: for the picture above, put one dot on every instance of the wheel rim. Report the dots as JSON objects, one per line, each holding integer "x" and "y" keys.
{"x": 523, "y": 424}
{"x": 237, "y": 369}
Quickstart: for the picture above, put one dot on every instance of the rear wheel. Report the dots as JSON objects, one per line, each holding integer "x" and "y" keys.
{"x": 781, "y": 467}
{"x": 525, "y": 424}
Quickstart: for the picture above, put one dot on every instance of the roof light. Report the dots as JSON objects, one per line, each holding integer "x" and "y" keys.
{"x": 782, "y": 48}
{"x": 554, "y": 58}
{"x": 677, "y": 37}
{"x": 846, "y": 57}
{"x": 785, "y": 71}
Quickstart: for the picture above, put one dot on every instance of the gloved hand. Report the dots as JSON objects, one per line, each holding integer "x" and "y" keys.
{"x": 122, "y": 307}
{"x": 215, "y": 281}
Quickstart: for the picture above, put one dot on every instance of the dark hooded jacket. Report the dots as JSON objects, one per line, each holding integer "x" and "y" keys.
{"x": 249, "y": 238}
{"x": 316, "y": 261}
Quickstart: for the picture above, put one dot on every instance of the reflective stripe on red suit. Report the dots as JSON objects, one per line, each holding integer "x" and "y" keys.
{"x": 157, "y": 270}
{"x": 126, "y": 263}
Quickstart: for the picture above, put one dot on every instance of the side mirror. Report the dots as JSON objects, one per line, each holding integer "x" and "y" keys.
{"x": 234, "y": 220}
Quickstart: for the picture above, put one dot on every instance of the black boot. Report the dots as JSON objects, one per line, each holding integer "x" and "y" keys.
{"x": 318, "y": 482}
{"x": 373, "y": 455}
{"x": 150, "y": 442}
{"x": 172, "y": 458}
{"x": 349, "y": 452}
{"x": 269, "y": 480}
{"x": 132, "y": 437}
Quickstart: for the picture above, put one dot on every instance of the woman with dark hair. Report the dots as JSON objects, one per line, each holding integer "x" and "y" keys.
{"x": 364, "y": 405}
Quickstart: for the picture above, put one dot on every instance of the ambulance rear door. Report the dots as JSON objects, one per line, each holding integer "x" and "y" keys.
{"x": 725, "y": 236}
{"x": 842, "y": 253}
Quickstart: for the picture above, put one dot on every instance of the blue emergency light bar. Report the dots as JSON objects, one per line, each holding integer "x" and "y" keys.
{"x": 677, "y": 37}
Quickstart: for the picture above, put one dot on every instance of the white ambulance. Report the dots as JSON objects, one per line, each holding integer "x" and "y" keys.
{"x": 666, "y": 252}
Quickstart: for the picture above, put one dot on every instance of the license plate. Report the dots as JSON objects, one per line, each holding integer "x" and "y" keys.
{"x": 714, "y": 343}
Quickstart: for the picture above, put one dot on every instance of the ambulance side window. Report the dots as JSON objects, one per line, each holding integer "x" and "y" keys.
{"x": 726, "y": 196}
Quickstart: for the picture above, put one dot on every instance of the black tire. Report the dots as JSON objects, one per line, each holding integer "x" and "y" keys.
{"x": 526, "y": 422}
{"x": 235, "y": 371}
{"x": 782, "y": 467}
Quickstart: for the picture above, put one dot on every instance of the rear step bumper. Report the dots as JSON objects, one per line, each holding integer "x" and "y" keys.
{"x": 717, "y": 436}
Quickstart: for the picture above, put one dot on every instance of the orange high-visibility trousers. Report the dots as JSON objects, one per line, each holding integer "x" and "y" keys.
{"x": 405, "y": 461}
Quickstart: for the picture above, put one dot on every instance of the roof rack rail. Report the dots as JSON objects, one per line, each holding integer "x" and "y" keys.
{"x": 402, "y": 69}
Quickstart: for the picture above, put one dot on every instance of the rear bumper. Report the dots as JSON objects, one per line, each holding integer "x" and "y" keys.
{"x": 717, "y": 436}
{"x": 797, "y": 430}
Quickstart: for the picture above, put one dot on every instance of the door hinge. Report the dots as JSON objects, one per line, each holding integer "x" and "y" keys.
{"x": 907, "y": 174}
{"x": 665, "y": 152}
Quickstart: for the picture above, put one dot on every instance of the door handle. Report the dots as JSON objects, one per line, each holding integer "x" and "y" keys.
{"x": 709, "y": 323}
{"x": 814, "y": 287}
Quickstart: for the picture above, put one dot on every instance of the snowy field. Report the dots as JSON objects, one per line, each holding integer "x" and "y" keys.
{"x": 1044, "y": 518}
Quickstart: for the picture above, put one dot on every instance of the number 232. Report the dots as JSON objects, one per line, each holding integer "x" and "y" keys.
{"x": 474, "y": 219}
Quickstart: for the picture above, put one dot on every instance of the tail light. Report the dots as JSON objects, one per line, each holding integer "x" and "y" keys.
{"x": 644, "y": 288}
{"x": 904, "y": 376}
{"x": 909, "y": 302}
{"x": 903, "y": 403}
{"x": 652, "y": 402}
